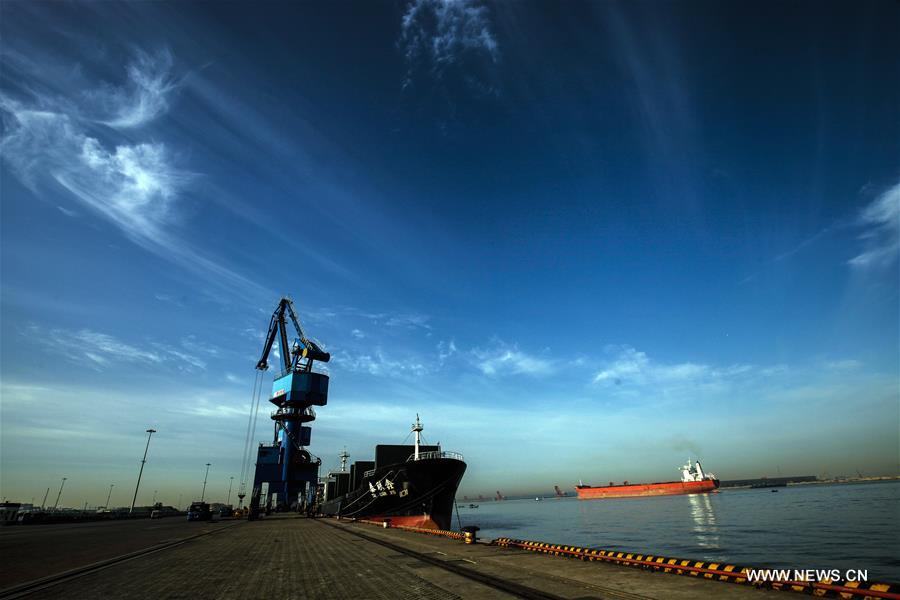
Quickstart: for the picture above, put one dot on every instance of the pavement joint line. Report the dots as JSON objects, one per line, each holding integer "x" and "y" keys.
{"x": 35, "y": 585}
{"x": 489, "y": 580}
{"x": 606, "y": 591}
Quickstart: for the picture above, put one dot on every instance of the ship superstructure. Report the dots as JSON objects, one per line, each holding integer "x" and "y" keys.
{"x": 410, "y": 485}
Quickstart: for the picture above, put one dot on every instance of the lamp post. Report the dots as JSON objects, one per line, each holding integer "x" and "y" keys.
{"x": 55, "y": 504}
{"x": 109, "y": 495}
{"x": 230, "y": 483}
{"x": 150, "y": 433}
{"x": 205, "y": 477}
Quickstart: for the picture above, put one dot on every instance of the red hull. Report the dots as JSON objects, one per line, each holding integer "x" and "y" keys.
{"x": 422, "y": 521}
{"x": 635, "y": 490}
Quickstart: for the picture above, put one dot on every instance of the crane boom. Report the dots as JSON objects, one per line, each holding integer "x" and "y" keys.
{"x": 303, "y": 347}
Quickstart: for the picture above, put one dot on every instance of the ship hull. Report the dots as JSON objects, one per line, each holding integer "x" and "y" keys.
{"x": 417, "y": 493}
{"x": 640, "y": 490}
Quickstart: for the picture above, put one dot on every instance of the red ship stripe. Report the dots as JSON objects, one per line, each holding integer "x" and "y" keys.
{"x": 647, "y": 489}
{"x": 421, "y": 521}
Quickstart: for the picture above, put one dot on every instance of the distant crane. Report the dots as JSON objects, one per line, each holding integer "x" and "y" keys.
{"x": 559, "y": 492}
{"x": 500, "y": 496}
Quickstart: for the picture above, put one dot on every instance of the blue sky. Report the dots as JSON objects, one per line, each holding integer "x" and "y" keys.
{"x": 582, "y": 240}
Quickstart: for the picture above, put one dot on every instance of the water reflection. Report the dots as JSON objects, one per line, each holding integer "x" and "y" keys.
{"x": 706, "y": 532}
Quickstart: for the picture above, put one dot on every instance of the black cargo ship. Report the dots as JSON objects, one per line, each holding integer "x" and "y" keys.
{"x": 407, "y": 485}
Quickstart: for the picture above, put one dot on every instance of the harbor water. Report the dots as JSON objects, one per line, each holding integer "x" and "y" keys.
{"x": 820, "y": 526}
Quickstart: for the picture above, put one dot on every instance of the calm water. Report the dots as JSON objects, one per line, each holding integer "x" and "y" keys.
{"x": 849, "y": 526}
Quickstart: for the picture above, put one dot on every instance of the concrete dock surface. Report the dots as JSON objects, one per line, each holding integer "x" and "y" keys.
{"x": 288, "y": 557}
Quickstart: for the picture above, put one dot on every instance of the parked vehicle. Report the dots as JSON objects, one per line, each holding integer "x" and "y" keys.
{"x": 199, "y": 511}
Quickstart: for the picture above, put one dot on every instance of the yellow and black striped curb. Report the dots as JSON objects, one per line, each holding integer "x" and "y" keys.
{"x": 708, "y": 570}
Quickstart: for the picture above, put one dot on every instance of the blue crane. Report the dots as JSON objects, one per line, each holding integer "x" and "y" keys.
{"x": 290, "y": 471}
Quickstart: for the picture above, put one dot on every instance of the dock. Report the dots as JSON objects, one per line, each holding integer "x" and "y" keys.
{"x": 286, "y": 557}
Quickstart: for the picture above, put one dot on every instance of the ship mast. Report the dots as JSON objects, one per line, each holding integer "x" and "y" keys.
{"x": 417, "y": 429}
{"x": 343, "y": 456}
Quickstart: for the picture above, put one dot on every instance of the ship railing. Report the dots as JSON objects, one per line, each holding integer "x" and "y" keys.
{"x": 435, "y": 454}
{"x": 369, "y": 473}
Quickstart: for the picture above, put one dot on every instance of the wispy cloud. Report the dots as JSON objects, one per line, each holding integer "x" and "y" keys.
{"x": 134, "y": 185}
{"x": 399, "y": 320}
{"x": 100, "y": 350}
{"x": 446, "y": 350}
{"x": 144, "y": 96}
{"x": 502, "y": 358}
{"x": 378, "y": 363}
{"x": 409, "y": 321}
{"x": 807, "y": 242}
{"x": 632, "y": 367}
{"x": 440, "y": 33}
{"x": 881, "y": 239}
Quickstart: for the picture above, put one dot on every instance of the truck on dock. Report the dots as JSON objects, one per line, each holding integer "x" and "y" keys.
{"x": 199, "y": 511}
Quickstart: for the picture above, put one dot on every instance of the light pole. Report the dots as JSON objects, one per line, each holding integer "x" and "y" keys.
{"x": 205, "y": 477}
{"x": 150, "y": 433}
{"x": 230, "y": 483}
{"x": 109, "y": 495}
{"x": 55, "y": 504}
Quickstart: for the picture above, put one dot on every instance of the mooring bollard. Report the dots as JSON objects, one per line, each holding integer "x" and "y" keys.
{"x": 469, "y": 532}
{"x": 386, "y": 523}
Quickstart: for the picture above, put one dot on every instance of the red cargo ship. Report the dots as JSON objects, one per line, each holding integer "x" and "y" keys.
{"x": 693, "y": 481}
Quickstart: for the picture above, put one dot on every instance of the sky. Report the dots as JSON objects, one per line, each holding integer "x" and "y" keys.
{"x": 583, "y": 241}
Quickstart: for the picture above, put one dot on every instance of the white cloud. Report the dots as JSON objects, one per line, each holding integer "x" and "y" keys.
{"x": 634, "y": 367}
{"x": 843, "y": 365}
{"x": 881, "y": 239}
{"x": 101, "y": 350}
{"x": 445, "y": 350}
{"x": 143, "y": 97}
{"x": 377, "y": 363}
{"x": 357, "y": 334}
{"x": 439, "y": 33}
{"x": 133, "y": 185}
{"x": 503, "y": 358}
{"x": 409, "y": 321}
{"x": 204, "y": 408}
